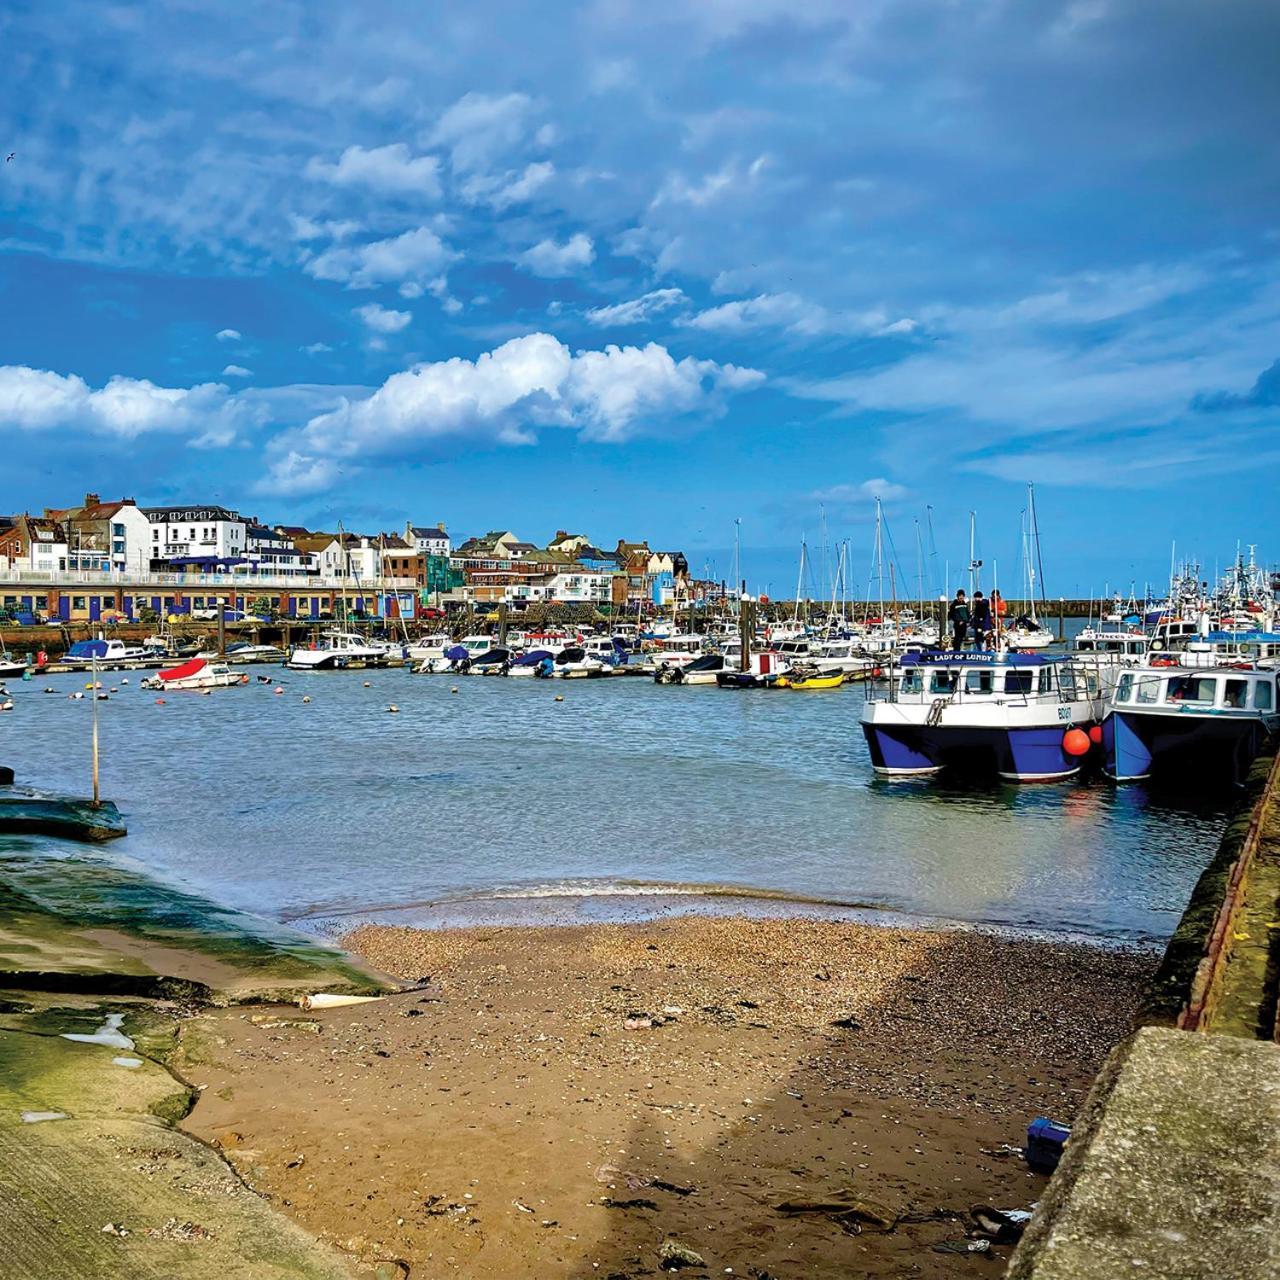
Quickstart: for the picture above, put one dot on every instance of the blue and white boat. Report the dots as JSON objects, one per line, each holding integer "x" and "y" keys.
{"x": 986, "y": 713}
{"x": 1206, "y": 721}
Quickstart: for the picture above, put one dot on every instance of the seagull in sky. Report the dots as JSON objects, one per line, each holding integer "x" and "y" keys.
{"x": 10, "y": 156}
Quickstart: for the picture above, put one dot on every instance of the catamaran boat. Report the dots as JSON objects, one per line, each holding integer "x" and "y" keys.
{"x": 104, "y": 653}
{"x": 1006, "y": 714}
{"x": 337, "y": 650}
{"x": 1202, "y": 720}
{"x": 196, "y": 674}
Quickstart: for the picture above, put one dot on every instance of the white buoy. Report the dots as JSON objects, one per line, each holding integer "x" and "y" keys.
{"x": 306, "y": 697}
{"x": 366, "y": 684}
{"x": 454, "y": 689}
{"x": 393, "y": 708}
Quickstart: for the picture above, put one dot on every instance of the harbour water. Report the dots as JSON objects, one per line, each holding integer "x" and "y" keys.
{"x": 497, "y": 802}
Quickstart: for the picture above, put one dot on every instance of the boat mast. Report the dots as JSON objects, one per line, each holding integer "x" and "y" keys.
{"x": 799, "y": 581}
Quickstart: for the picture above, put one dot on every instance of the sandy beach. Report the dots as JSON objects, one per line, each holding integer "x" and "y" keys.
{"x": 781, "y": 1097}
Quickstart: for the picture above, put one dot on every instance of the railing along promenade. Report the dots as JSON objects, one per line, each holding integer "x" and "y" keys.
{"x": 127, "y": 580}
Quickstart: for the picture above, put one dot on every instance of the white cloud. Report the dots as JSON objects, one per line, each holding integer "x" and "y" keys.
{"x": 237, "y": 371}
{"x": 547, "y": 258}
{"x": 481, "y": 127}
{"x": 795, "y": 315}
{"x": 228, "y": 335}
{"x": 503, "y": 396}
{"x": 294, "y": 474}
{"x": 310, "y": 229}
{"x": 382, "y": 319}
{"x": 710, "y": 187}
{"x": 316, "y": 348}
{"x": 392, "y": 170}
{"x": 636, "y": 310}
{"x": 412, "y": 255}
{"x": 511, "y": 187}
{"x": 39, "y": 400}
{"x": 852, "y": 495}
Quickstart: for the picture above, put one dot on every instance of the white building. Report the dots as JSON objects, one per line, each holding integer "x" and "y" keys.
{"x": 581, "y": 586}
{"x": 269, "y": 552}
{"x": 430, "y": 540}
{"x": 195, "y": 538}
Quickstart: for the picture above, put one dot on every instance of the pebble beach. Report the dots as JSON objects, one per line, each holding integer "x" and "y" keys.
{"x": 771, "y": 1097}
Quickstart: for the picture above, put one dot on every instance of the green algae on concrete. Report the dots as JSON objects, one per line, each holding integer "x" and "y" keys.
{"x": 95, "y": 1181}
{"x": 1173, "y": 1168}
{"x": 76, "y": 924}
{"x": 1171, "y": 987}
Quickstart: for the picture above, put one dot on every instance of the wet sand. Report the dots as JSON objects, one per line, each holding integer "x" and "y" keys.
{"x": 561, "y": 1101}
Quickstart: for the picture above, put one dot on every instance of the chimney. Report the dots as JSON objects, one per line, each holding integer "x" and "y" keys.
{"x": 90, "y": 499}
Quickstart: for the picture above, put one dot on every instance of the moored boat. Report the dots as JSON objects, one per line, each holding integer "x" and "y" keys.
{"x": 103, "y": 653}
{"x": 198, "y": 673}
{"x": 1009, "y": 715}
{"x": 1201, "y": 721}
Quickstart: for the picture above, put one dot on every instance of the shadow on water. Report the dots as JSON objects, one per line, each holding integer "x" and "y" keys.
{"x": 879, "y": 1134}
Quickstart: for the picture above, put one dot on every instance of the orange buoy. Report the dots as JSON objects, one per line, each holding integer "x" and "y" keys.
{"x": 159, "y": 702}
{"x": 1075, "y": 742}
{"x": 1095, "y": 735}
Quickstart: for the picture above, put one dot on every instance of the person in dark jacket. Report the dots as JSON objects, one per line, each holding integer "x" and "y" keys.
{"x": 958, "y": 616}
{"x": 981, "y": 622}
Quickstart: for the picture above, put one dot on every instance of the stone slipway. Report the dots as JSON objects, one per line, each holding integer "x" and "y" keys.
{"x": 112, "y": 1189}
{"x": 95, "y": 1179}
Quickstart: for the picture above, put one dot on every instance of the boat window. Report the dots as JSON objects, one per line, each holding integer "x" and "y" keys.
{"x": 1046, "y": 680}
{"x": 1067, "y": 683}
{"x": 1124, "y": 690}
{"x": 912, "y": 681}
{"x": 943, "y": 682}
{"x": 1192, "y": 689}
{"x": 977, "y": 682}
{"x": 1236, "y": 694}
{"x": 1262, "y": 697}
{"x": 1148, "y": 688}
{"x": 1085, "y": 646}
{"x": 1017, "y": 682}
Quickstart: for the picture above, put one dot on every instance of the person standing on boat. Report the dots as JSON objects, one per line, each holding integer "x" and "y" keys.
{"x": 981, "y": 621}
{"x": 958, "y": 616}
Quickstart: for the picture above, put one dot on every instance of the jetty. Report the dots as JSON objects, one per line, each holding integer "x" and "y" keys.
{"x": 1173, "y": 1165}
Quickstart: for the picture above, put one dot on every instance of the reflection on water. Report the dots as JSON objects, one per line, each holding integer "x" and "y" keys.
{"x": 336, "y": 807}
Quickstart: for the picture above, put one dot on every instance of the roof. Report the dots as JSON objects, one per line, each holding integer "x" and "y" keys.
{"x": 522, "y": 546}
{"x": 186, "y": 514}
{"x": 428, "y": 531}
{"x": 311, "y": 542}
{"x": 394, "y": 542}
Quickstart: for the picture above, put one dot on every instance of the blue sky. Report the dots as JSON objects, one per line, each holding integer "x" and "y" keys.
{"x": 640, "y": 269}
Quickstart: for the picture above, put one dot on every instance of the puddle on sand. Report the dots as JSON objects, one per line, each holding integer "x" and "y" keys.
{"x": 108, "y": 1034}
{"x": 127, "y": 1062}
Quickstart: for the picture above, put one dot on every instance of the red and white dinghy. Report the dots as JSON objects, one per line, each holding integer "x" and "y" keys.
{"x": 199, "y": 673}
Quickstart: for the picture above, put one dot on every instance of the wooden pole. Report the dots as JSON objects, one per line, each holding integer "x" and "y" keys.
{"x": 94, "y": 694}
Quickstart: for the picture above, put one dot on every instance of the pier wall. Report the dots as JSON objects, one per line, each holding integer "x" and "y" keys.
{"x": 1173, "y": 1166}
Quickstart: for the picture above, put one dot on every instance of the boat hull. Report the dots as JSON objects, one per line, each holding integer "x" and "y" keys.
{"x": 1143, "y": 745}
{"x": 1032, "y": 753}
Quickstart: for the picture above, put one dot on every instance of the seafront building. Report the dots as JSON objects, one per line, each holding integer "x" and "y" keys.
{"x": 104, "y": 561}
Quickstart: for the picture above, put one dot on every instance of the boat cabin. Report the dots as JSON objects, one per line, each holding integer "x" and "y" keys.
{"x": 1216, "y": 692}
{"x": 991, "y": 677}
{"x": 1121, "y": 644}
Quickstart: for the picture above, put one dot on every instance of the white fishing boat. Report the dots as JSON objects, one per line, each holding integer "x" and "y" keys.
{"x": 196, "y": 674}
{"x": 10, "y": 667}
{"x": 702, "y": 670}
{"x": 1197, "y": 722}
{"x": 1126, "y": 644}
{"x": 1009, "y": 715}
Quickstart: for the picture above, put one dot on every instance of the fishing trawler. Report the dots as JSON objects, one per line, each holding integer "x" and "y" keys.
{"x": 1167, "y": 719}
{"x": 1011, "y": 715}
